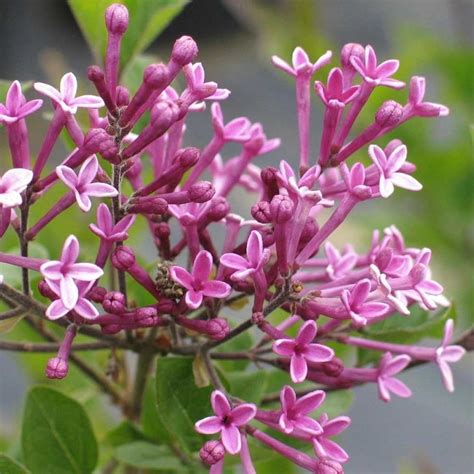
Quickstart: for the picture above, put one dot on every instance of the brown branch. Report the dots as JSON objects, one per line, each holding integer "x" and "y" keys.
{"x": 50, "y": 346}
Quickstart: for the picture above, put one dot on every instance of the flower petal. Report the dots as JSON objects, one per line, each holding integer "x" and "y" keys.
{"x": 70, "y": 251}
{"x": 230, "y": 436}
{"x": 397, "y": 387}
{"x": 318, "y": 353}
{"x": 308, "y": 425}
{"x": 287, "y": 398}
{"x": 69, "y": 292}
{"x": 86, "y": 309}
{"x": 309, "y": 402}
{"x": 193, "y": 298}
{"x": 220, "y": 404}
{"x": 202, "y": 266}
{"x": 56, "y": 310}
{"x": 209, "y": 425}
{"x": 216, "y": 289}
{"x": 284, "y": 347}
{"x": 406, "y": 181}
{"x": 242, "y": 414}
{"x": 298, "y": 368}
{"x": 182, "y": 277}
{"x": 336, "y": 425}
{"x": 307, "y": 333}
{"x": 333, "y": 450}
{"x": 235, "y": 261}
{"x": 88, "y": 171}
{"x": 85, "y": 271}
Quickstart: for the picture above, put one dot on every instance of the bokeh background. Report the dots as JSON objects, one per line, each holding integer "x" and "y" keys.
{"x": 433, "y": 431}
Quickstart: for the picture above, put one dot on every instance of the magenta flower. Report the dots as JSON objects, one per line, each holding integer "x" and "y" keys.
{"x": 376, "y": 75}
{"x": 12, "y": 184}
{"x": 82, "y": 184}
{"x": 326, "y": 448}
{"x": 83, "y": 307}
{"x": 16, "y": 107}
{"x": 66, "y": 98}
{"x": 354, "y": 301}
{"x": 236, "y": 130}
{"x": 334, "y": 95}
{"x": 446, "y": 354}
{"x": 389, "y": 169}
{"x": 388, "y": 367}
{"x": 105, "y": 228}
{"x": 197, "y": 282}
{"x": 195, "y": 77}
{"x": 294, "y": 412}
{"x": 66, "y": 272}
{"x": 227, "y": 421}
{"x": 415, "y": 100}
{"x": 339, "y": 265}
{"x": 257, "y": 257}
{"x": 301, "y": 63}
{"x": 301, "y": 350}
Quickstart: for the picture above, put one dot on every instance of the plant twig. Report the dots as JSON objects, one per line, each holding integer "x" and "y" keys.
{"x": 50, "y": 346}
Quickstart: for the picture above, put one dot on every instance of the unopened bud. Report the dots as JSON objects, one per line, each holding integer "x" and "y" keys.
{"x": 97, "y": 294}
{"x": 187, "y": 157}
{"x": 184, "y": 51}
{"x": 212, "y": 452}
{"x": 122, "y": 96}
{"x": 333, "y": 368}
{"x": 202, "y": 191}
{"x": 57, "y": 368}
{"x": 114, "y": 302}
{"x": 116, "y": 19}
{"x": 349, "y": 50}
{"x": 261, "y": 212}
{"x": 155, "y": 75}
{"x": 217, "y": 328}
{"x": 218, "y": 209}
{"x": 328, "y": 466}
{"x": 123, "y": 258}
{"x": 281, "y": 208}
{"x": 46, "y": 291}
{"x": 389, "y": 114}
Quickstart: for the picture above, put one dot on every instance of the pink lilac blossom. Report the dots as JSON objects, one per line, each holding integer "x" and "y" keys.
{"x": 16, "y": 107}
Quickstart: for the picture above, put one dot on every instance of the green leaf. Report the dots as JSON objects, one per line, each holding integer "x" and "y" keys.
{"x": 9, "y": 466}
{"x": 180, "y": 402}
{"x": 148, "y": 18}
{"x": 57, "y": 436}
{"x": 336, "y": 403}
{"x": 145, "y": 455}
{"x": 125, "y": 433}
{"x": 248, "y": 386}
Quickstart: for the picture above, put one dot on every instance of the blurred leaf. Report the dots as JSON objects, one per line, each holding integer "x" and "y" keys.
{"x": 57, "y": 436}
{"x": 145, "y": 455}
{"x": 336, "y": 403}
{"x": 148, "y": 18}
{"x": 180, "y": 402}
{"x": 201, "y": 375}
{"x": 248, "y": 386}
{"x": 125, "y": 433}
{"x": 9, "y": 466}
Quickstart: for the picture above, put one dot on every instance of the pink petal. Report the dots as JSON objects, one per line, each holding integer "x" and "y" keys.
{"x": 230, "y": 436}
{"x": 88, "y": 102}
{"x": 202, "y": 266}
{"x": 358, "y": 65}
{"x": 430, "y": 286}
{"x": 209, "y": 425}
{"x": 56, "y": 310}
{"x": 357, "y": 175}
{"x": 448, "y": 332}
{"x": 378, "y": 156}
{"x": 220, "y": 404}
{"x": 308, "y": 425}
{"x": 318, "y": 353}
{"x": 385, "y": 187}
{"x": 373, "y": 310}
{"x": 406, "y": 181}
{"x": 298, "y": 368}
{"x": 100, "y": 190}
{"x": 69, "y": 292}
{"x": 333, "y": 450}
{"x": 125, "y": 223}
{"x": 287, "y": 398}
{"x": 322, "y": 61}
{"x": 384, "y": 394}
{"x": 86, "y": 309}
{"x": 417, "y": 89}
{"x": 52, "y": 270}
{"x": 242, "y": 414}
{"x": 67, "y": 176}
{"x": 254, "y": 248}
{"x": 68, "y": 87}
{"x": 446, "y": 375}
{"x": 284, "y": 347}
{"x": 453, "y": 353}
{"x": 104, "y": 218}
{"x": 88, "y": 171}
{"x": 397, "y": 387}
{"x": 396, "y": 365}
{"x": 10, "y": 199}
{"x": 336, "y": 425}
{"x": 393, "y": 83}
{"x": 29, "y": 108}
{"x": 182, "y": 277}
{"x": 235, "y": 261}
{"x": 16, "y": 179}
{"x": 359, "y": 293}
{"x": 370, "y": 59}
{"x": 387, "y": 68}
{"x": 318, "y": 447}
{"x": 309, "y": 402}
{"x": 299, "y": 58}
{"x": 396, "y": 159}
{"x": 70, "y": 250}
{"x": 193, "y": 298}
{"x": 48, "y": 90}
{"x": 306, "y": 333}
{"x": 216, "y": 289}
{"x": 85, "y": 271}
{"x": 283, "y": 65}
{"x": 285, "y": 424}
{"x": 83, "y": 201}
{"x": 217, "y": 116}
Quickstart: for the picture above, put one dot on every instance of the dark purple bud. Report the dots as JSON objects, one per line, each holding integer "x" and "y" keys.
{"x": 114, "y": 302}
{"x": 95, "y": 74}
{"x": 333, "y": 368}
{"x": 202, "y": 191}
{"x": 217, "y": 328}
{"x": 164, "y": 113}
{"x": 123, "y": 258}
{"x": 146, "y": 317}
{"x": 94, "y": 139}
{"x": 212, "y": 452}
{"x": 46, "y": 291}
{"x": 261, "y": 212}
{"x": 122, "y": 96}
{"x": 97, "y": 294}
{"x": 162, "y": 230}
{"x": 267, "y": 236}
{"x": 268, "y": 175}
{"x": 218, "y": 209}
{"x": 389, "y": 114}
{"x": 116, "y": 19}
{"x": 57, "y": 368}
{"x": 184, "y": 51}
{"x": 281, "y": 208}
{"x": 155, "y": 75}
{"x": 328, "y": 466}
{"x": 349, "y": 50}
{"x": 187, "y": 157}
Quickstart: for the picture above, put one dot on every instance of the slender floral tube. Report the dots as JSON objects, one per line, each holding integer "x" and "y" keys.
{"x": 18, "y": 142}
{"x": 97, "y": 77}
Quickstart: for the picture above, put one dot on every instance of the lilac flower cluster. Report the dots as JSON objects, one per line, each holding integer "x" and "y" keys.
{"x": 281, "y": 258}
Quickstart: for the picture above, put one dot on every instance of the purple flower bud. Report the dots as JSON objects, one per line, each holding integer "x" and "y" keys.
{"x": 97, "y": 294}
{"x": 267, "y": 236}
{"x": 57, "y": 368}
{"x": 389, "y": 114}
{"x": 46, "y": 291}
{"x": 187, "y": 157}
{"x": 261, "y": 212}
{"x": 184, "y": 51}
{"x": 94, "y": 139}
{"x": 212, "y": 452}
{"x": 328, "y": 466}
{"x": 281, "y": 208}
{"x": 349, "y": 50}
{"x": 218, "y": 209}
{"x": 201, "y": 192}
{"x": 155, "y": 75}
{"x": 217, "y": 328}
{"x": 116, "y": 19}
{"x": 95, "y": 74}
{"x": 122, "y": 97}
{"x": 114, "y": 302}
{"x": 162, "y": 230}
{"x": 154, "y": 205}
{"x": 333, "y": 368}
{"x": 123, "y": 258}
{"x": 146, "y": 317}
{"x": 164, "y": 113}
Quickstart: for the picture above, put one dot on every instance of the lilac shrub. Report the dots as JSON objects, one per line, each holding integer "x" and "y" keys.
{"x": 279, "y": 256}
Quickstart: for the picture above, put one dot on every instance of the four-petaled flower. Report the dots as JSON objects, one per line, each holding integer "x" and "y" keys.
{"x": 294, "y": 412}
{"x": 226, "y": 421}
{"x": 389, "y": 170}
{"x": 195, "y": 77}
{"x": 237, "y": 130}
{"x": 82, "y": 184}
{"x": 302, "y": 66}
{"x": 377, "y": 75}
{"x": 83, "y": 307}
{"x": 354, "y": 301}
{"x": 339, "y": 265}
{"x": 388, "y": 367}
{"x": 16, "y": 107}
{"x": 105, "y": 228}
{"x": 416, "y": 96}
{"x": 334, "y": 95}
{"x": 301, "y": 349}
{"x": 66, "y": 98}
{"x": 12, "y": 184}
{"x": 257, "y": 257}
{"x": 66, "y": 273}
{"x": 326, "y": 448}
{"x": 197, "y": 282}
{"x": 448, "y": 354}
